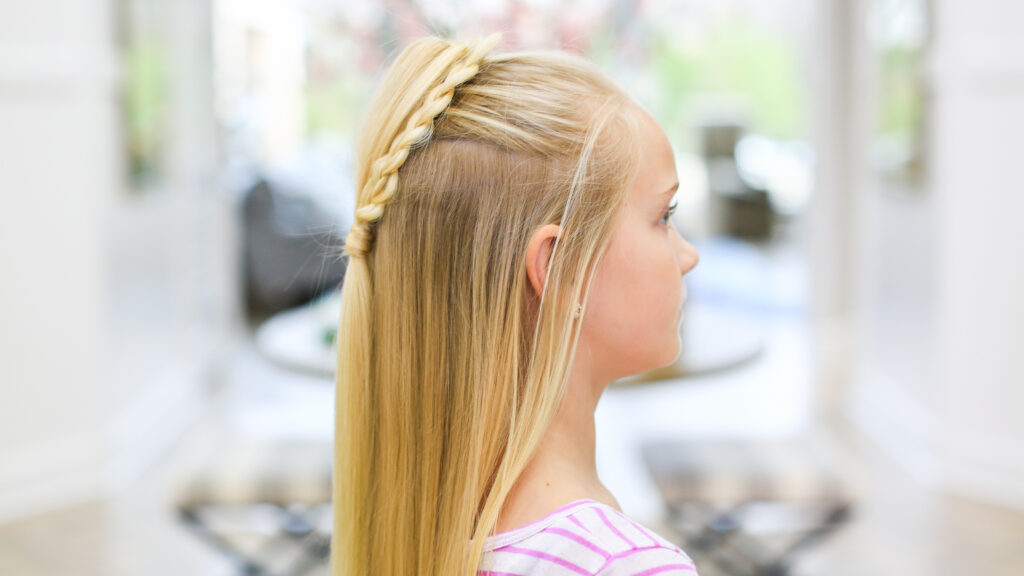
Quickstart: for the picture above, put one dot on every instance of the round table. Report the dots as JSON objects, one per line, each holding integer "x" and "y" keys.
{"x": 713, "y": 339}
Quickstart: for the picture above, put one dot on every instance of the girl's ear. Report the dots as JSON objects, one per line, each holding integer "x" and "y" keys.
{"x": 538, "y": 255}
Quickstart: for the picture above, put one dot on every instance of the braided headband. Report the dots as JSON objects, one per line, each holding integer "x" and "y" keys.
{"x": 383, "y": 179}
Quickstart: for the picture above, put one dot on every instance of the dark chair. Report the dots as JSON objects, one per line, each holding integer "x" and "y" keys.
{"x": 292, "y": 249}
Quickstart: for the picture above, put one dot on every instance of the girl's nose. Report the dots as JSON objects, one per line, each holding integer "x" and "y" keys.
{"x": 687, "y": 255}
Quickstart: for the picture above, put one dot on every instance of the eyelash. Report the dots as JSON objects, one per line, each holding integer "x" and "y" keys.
{"x": 668, "y": 213}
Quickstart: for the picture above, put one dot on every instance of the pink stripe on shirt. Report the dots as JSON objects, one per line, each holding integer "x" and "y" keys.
{"x": 549, "y": 557}
{"x": 612, "y": 527}
{"x": 578, "y": 538}
{"x": 644, "y": 531}
{"x": 665, "y": 568}
{"x": 587, "y": 538}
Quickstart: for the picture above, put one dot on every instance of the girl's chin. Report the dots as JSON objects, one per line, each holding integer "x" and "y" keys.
{"x": 672, "y": 351}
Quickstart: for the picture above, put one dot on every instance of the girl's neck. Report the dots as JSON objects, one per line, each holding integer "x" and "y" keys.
{"x": 564, "y": 468}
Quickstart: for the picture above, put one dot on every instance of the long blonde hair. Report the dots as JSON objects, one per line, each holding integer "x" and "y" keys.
{"x": 450, "y": 366}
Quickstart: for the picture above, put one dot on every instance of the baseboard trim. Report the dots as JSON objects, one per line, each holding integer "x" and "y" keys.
{"x": 983, "y": 467}
{"x": 898, "y": 424}
{"x": 147, "y": 427}
{"x": 45, "y": 476}
{"x": 50, "y": 475}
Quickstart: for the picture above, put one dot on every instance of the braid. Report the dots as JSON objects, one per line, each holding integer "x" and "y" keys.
{"x": 383, "y": 180}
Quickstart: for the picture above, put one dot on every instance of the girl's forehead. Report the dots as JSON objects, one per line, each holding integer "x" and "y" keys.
{"x": 656, "y": 171}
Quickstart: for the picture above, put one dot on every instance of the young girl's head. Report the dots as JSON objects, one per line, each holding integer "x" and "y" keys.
{"x": 511, "y": 210}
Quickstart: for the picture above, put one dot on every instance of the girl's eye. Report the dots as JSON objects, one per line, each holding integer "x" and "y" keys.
{"x": 668, "y": 214}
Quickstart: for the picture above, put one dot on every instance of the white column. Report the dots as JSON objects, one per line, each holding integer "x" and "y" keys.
{"x": 838, "y": 132}
{"x": 58, "y": 175}
{"x": 114, "y": 306}
{"x": 939, "y": 383}
{"x": 978, "y": 182}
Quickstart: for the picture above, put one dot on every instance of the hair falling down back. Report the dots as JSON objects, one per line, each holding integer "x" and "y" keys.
{"x": 450, "y": 367}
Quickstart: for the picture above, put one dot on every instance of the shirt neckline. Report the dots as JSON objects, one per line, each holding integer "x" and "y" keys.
{"x": 516, "y": 534}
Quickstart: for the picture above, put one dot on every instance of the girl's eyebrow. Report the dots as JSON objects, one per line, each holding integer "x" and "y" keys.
{"x": 671, "y": 190}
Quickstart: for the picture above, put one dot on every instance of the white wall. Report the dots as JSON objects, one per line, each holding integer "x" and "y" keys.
{"x": 979, "y": 188}
{"x": 59, "y": 176}
{"x": 838, "y": 133}
{"x": 113, "y": 307}
{"x": 939, "y": 275}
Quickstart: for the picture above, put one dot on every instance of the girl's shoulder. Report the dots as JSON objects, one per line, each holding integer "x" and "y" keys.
{"x": 584, "y": 538}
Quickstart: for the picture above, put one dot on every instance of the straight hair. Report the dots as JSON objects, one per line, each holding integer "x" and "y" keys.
{"x": 450, "y": 365}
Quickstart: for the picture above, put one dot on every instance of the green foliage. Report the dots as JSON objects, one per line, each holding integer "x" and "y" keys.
{"x": 734, "y": 56}
{"x": 331, "y": 106}
{"x": 145, "y": 94}
{"x": 900, "y": 109}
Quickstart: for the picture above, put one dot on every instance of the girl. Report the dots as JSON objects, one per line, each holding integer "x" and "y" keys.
{"x": 511, "y": 256}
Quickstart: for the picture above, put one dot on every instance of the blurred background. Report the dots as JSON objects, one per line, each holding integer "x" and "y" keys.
{"x": 176, "y": 183}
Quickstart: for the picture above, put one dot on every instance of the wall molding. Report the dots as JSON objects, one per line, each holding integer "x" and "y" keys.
{"x": 45, "y": 476}
{"x": 981, "y": 466}
{"x": 990, "y": 66}
{"x": 897, "y": 423}
{"x": 956, "y": 461}
{"x": 57, "y": 68}
{"x": 144, "y": 430}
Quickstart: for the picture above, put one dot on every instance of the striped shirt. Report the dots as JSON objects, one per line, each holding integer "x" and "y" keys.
{"x": 583, "y": 538}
